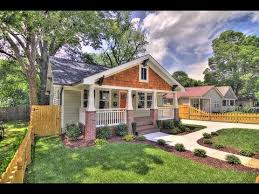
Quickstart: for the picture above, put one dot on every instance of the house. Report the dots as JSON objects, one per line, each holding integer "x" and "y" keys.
{"x": 247, "y": 102}
{"x": 207, "y": 98}
{"x": 95, "y": 96}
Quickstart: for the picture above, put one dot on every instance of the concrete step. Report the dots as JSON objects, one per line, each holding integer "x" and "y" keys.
{"x": 144, "y": 122}
{"x": 146, "y": 131}
{"x": 144, "y": 127}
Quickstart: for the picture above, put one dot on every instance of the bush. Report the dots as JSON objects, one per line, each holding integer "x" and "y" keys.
{"x": 200, "y": 153}
{"x": 207, "y": 141}
{"x": 73, "y": 131}
{"x": 121, "y": 130}
{"x": 206, "y": 135}
{"x": 218, "y": 146}
{"x": 168, "y": 124}
{"x": 174, "y": 130}
{"x": 104, "y": 132}
{"x": 100, "y": 142}
{"x": 128, "y": 137}
{"x": 179, "y": 147}
{"x": 141, "y": 138}
{"x": 247, "y": 153}
{"x": 232, "y": 159}
{"x": 159, "y": 124}
{"x": 214, "y": 133}
{"x": 187, "y": 129}
{"x": 134, "y": 127}
{"x": 161, "y": 142}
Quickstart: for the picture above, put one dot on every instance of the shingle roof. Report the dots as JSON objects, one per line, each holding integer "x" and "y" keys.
{"x": 68, "y": 72}
{"x": 223, "y": 89}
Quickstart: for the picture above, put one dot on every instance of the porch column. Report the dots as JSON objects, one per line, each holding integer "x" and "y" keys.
{"x": 153, "y": 109}
{"x": 130, "y": 116}
{"x": 90, "y": 117}
{"x": 176, "y": 108}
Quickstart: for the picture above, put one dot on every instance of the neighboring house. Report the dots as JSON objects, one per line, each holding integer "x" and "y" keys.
{"x": 229, "y": 98}
{"x": 208, "y": 98}
{"x": 247, "y": 102}
{"x": 95, "y": 96}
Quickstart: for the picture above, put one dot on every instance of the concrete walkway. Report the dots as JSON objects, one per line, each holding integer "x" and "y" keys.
{"x": 190, "y": 140}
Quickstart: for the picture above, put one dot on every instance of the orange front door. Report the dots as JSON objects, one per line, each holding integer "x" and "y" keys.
{"x": 123, "y": 99}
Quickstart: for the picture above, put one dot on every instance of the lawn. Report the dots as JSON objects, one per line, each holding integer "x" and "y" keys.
{"x": 121, "y": 163}
{"x": 14, "y": 134}
{"x": 243, "y": 139}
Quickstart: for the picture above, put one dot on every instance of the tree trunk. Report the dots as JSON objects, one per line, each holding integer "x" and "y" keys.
{"x": 32, "y": 89}
{"x": 44, "y": 60}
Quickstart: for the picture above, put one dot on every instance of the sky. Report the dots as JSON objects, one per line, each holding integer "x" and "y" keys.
{"x": 181, "y": 40}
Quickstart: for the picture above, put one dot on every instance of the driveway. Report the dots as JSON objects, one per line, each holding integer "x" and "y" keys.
{"x": 190, "y": 140}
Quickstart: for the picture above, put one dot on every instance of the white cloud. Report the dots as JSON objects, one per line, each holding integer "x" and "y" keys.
{"x": 195, "y": 70}
{"x": 136, "y": 22}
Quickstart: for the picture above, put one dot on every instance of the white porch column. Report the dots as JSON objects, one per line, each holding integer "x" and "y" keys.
{"x": 154, "y": 100}
{"x": 129, "y": 100}
{"x": 91, "y": 106}
{"x": 176, "y": 108}
{"x": 175, "y": 102}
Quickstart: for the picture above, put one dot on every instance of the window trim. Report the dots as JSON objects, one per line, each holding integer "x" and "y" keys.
{"x": 147, "y": 71}
{"x": 108, "y": 100}
{"x": 145, "y": 100}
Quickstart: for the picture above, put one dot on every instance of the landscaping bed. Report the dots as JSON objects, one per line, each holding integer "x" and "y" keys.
{"x": 235, "y": 140}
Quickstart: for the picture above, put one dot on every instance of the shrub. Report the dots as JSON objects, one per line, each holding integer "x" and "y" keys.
{"x": 161, "y": 142}
{"x": 207, "y": 141}
{"x": 174, "y": 130}
{"x": 187, "y": 129}
{"x": 141, "y": 138}
{"x": 218, "y": 146}
{"x": 134, "y": 127}
{"x": 214, "y": 133}
{"x": 168, "y": 124}
{"x": 159, "y": 124}
{"x": 128, "y": 137}
{"x": 179, "y": 147}
{"x": 103, "y": 132}
{"x": 100, "y": 142}
{"x": 72, "y": 131}
{"x": 121, "y": 130}
{"x": 232, "y": 159}
{"x": 200, "y": 153}
{"x": 206, "y": 135}
{"x": 247, "y": 153}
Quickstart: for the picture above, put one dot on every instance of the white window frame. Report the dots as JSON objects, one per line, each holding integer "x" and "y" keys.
{"x": 109, "y": 94}
{"x": 140, "y": 71}
{"x": 145, "y": 100}
{"x": 149, "y": 100}
{"x": 85, "y": 99}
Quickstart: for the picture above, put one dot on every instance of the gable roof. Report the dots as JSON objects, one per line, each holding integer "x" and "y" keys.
{"x": 224, "y": 90}
{"x": 68, "y": 72}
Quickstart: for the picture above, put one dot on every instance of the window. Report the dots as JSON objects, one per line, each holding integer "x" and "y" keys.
{"x": 216, "y": 105}
{"x": 104, "y": 99}
{"x": 143, "y": 74}
{"x": 195, "y": 103}
{"x": 232, "y": 102}
{"x": 86, "y": 98}
{"x": 141, "y": 100}
{"x": 149, "y": 100}
{"x": 224, "y": 103}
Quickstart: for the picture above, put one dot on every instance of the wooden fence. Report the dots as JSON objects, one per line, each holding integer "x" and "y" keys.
{"x": 188, "y": 112}
{"x": 42, "y": 118}
{"x": 15, "y": 113}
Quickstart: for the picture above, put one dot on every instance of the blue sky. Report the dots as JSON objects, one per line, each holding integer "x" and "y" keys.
{"x": 181, "y": 40}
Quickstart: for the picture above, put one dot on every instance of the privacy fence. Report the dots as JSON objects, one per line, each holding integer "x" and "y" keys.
{"x": 15, "y": 113}
{"x": 44, "y": 121}
{"x": 188, "y": 112}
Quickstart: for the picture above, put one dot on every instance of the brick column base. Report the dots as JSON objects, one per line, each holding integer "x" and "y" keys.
{"x": 154, "y": 116}
{"x": 130, "y": 119}
{"x": 176, "y": 114}
{"x": 90, "y": 126}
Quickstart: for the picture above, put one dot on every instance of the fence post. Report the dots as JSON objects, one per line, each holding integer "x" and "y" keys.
{"x": 19, "y": 172}
{"x": 257, "y": 179}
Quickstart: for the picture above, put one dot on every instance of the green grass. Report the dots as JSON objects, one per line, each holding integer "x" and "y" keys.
{"x": 243, "y": 139}
{"x": 14, "y": 134}
{"x": 121, "y": 163}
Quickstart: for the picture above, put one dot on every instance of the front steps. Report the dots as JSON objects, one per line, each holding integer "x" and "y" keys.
{"x": 145, "y": 126}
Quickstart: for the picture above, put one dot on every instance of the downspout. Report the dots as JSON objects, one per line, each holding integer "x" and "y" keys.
{"x": 60, "y": 97}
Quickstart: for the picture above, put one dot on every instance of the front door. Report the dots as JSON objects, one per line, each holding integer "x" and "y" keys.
{"x": 123, "y": 99}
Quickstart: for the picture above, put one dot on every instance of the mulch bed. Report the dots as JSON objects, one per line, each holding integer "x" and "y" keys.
{"x": 186, "y": 154}
{"x": 226, "y": 149}
{"x": 180, "y": 133}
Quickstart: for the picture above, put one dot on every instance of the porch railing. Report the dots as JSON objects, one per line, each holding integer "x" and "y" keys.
{"x": 165, "y": 112}
{"x": 110, "y": 117}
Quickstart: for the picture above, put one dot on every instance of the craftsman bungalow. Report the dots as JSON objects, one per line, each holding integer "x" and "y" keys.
{"x": 94, "y": 95}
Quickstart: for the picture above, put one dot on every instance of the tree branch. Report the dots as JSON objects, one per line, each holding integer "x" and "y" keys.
{"x": 7, "y": 54}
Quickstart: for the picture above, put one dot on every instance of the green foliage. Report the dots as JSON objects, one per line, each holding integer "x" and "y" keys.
{"x": 174, "y": 131}
{"x": 207, "y": 141}
{"x": 104, "y": 132}
{"x": 200, "y": 153}
{"x": 179, "y": 147}
{"x": 141, "y": 138}
{"x": 247, "y": 153}
{"x": 206, "y": 135}
{"x": 183, "y": 78}
{"x": 214, "y": 133}
{"x": 159, "y": 124}
{"x": 168, "y": 124}
{"x": 218, "y": 146}
{"x": 134, "y": 127}
{"x": 128, "y": 137}
{"x": 121, "y": 130}
{"x": 161, "y": 142}
{"x": 232, "y": 159}
{"x": 100, "y": 142}
{"x": 72, "y": 131}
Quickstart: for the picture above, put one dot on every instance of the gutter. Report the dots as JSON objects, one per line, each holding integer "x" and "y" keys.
{"x": 60, "y": 97}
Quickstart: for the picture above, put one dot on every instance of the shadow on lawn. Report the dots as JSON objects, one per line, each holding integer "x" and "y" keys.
{"x": 81, "y": 162}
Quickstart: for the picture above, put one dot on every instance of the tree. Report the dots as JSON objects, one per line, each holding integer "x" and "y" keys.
{"x": 122, "y": 41}
{"x": 235, "y": 62}
{"x": 185, "y": 80}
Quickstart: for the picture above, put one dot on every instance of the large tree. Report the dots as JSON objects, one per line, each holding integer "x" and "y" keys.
{"x": 235, "y": 62}
{"x": 183, "y": 78}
